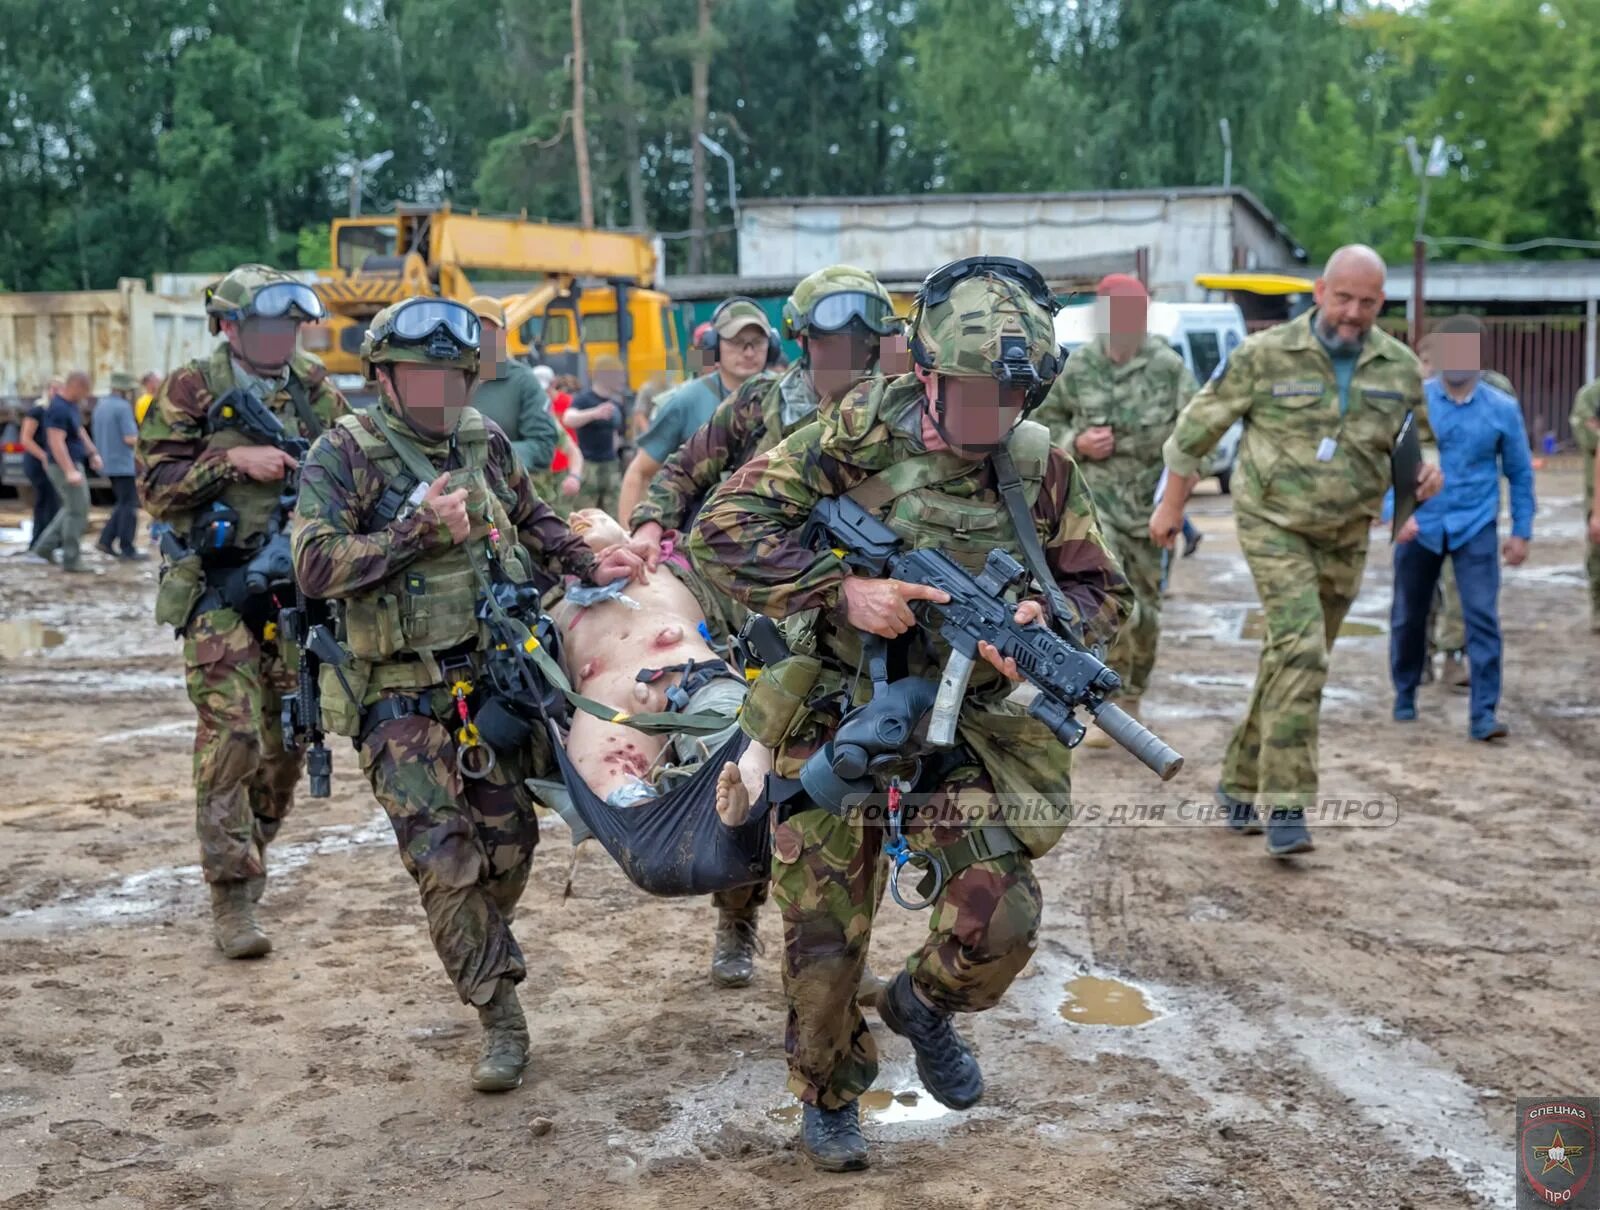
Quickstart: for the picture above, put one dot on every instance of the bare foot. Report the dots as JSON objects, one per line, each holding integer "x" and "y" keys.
{"x": 733, "y": 800}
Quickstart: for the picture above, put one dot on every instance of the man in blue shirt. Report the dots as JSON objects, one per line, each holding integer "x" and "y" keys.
{"x": 115, "y": 435}
{"x": 1481, "y": 436}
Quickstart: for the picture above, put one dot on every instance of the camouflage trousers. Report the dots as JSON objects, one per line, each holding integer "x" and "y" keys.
{"x": 1133, "y": 652}
{"x": 468, "y": 843}
{"x": 1447, "y": 629}
{"x": 828, "y": 876}
{"x": 602, "y": 484}
{"x": 243, "y": 779}
{"x": 1306, "y": 588}
{"x": 547, "y": 486}
{"x": 1591, "y": 562}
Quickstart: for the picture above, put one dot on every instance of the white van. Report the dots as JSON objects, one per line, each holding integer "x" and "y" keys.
{"x": 1204, "y": 334}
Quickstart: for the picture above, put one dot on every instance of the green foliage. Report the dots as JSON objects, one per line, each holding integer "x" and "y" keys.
{"x": 191, "y": 134}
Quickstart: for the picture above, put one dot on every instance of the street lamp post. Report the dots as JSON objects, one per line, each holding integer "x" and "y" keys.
{"x": 1435, "y": 166}
{"x": 359, "y": 169}
{"x": 717, "y": 149}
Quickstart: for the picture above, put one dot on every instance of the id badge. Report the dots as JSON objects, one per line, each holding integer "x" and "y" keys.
{"x": 1326, "y": 449}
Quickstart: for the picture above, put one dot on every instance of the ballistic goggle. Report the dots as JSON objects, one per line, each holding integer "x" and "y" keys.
{"x": 835, "y": 312}
{"x": 278, "y": 299}
{"x": 416, "y": 320}
{"x": 937, "y": 285}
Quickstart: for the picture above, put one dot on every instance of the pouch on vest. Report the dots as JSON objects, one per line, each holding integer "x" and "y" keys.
{"x": 182, "y": 582}
{"x": 777, "y": 699}
{"x": 341, "y": 710}
{"x": 1030, "y": 768}
{"x": 372, "y": 626}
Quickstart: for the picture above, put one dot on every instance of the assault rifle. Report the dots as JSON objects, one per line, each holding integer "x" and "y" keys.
{"x": 1066, "y": 674}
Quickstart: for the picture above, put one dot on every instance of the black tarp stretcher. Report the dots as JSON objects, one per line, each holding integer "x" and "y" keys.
{"x": 674, "y": 844}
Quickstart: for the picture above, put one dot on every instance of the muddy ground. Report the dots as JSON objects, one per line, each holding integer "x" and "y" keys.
{"x": 1350, "y": 1029}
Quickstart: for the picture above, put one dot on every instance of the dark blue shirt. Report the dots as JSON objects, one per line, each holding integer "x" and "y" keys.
{"x": 1478, "y": 441}
{"x": 64, "y": 415}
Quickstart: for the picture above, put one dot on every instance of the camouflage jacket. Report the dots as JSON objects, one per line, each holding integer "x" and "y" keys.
{"x": 1281, "y": 383}
{"x": 183, "y": 465}
{"x": 745, "y": 424}
{"x": 746, "y": 541}
{"x": 1586, "y": 419}
{"x": 1139, "y": 401}
{"x": 337, "y": 554}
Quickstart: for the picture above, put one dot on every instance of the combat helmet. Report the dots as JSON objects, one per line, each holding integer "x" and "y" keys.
{"x": 831, "y": 299}
{"x": 988, "y": 317}
{"x": 429, "y": 331}
{"x": 260, "y": 290}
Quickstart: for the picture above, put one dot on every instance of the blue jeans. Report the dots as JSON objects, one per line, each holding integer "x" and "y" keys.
{"x": 1416, "y": 573}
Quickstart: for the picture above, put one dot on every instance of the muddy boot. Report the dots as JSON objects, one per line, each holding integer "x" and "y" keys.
{"x": 233, "y": 921}
{"x": 733, "y": 961}
{"x": 505, "y": 1042}
{"x": 258, "y": 887}
{"x": 832, "y": 1138}
{"x": 1098, "y": 738}
{"x": 1240, "y": 816}
{"x": 948, "y": 1068}
{"x": 1287, "y": 833}
{"x": 1456, "y": 674}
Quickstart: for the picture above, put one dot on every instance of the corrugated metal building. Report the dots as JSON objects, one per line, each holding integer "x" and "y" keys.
{"x": 1173, "y": 233}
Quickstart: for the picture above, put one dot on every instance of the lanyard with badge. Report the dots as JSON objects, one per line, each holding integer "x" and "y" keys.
{"x": 1330, "y": 445}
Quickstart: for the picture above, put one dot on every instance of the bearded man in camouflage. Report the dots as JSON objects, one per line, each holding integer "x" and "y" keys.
{"x": 939, "y": 454}
{"x": 409, "y": 513}
{"x": 1323, "y": 398}
{"x": 220, "y": 491}
{"x": 838, "y": 315}
{"x": 1112, "y": 408}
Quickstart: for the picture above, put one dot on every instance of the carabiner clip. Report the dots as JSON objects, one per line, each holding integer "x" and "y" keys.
{"x": 900, "y": 855}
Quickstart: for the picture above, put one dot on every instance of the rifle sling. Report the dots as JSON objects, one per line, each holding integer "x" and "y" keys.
{"x": 311, "y": 427}
{"x": 1010, "y": 485}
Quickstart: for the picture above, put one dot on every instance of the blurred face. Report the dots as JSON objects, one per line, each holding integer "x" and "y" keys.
{"x": 431, "y": 397}
{"x": 261, "y": 343}
{"x": 491, "y": 351}
{"x": 150, "y": 382}
{"x": 76, "y": 388}
{"x": 972, "y": 415}
{"x": 839, "y": 360}
{"x": 1457, "y": 356}
{"x": 744, "y": 354}
{"x": 613, "y": 384}
{"x": 1123, "y": 320}
{"x": 1348, "y": 301}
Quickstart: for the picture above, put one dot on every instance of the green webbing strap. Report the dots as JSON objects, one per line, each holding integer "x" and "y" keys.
{"x": 983, "y": 843}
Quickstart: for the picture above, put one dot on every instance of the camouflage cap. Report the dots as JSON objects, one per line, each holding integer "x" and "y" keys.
{"x": 834, "y": 279}
{"x": 121, "y": 380}
{"x": 488, "y": 309}
{"x": 377, "y": 349}
{"x": 962, "y": 335}
{"x": 737, "y": 314}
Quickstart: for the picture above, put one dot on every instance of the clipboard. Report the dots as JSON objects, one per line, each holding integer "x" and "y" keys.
{"x": 1405, "y": 461}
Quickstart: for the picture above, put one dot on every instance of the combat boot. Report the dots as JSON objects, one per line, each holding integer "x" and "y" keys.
{"x": 1240, "y": 816}
{"x": 505, "y": 1042}
{"x": 233, "y": 921}
{"x": 832, "y": 1137}
{"x": 1287, "y": 832}
{"x": 1098, "y": 738}
{"x": 1456, "y": 674}
{"x": 733, "y": 960}
{"x": 948, "y": 1069}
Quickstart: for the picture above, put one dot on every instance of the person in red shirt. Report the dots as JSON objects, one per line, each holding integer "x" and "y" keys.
{"x": 560, "y": 483}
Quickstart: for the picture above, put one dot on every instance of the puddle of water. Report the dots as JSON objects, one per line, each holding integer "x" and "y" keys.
{"x": 1255, "y": 627}
{"x": 880, "y": 1105}
{"x": 1562, "y": 574}
{"x": 183, "y": 727}
{"x": 1095, "y": 1001}
{"x": 25, "y": 636}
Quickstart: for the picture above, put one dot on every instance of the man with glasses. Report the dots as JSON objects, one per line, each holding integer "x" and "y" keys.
{"x": 838, "y": 314}
{"x": 739, "y": 345}
{"x": 221, "y": 492}
{"x": 410, "y": 513}
{"x": 944, "y": 457}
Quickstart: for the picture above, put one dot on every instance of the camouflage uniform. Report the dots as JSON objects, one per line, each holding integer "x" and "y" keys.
{"x": 1586, "y": 432}
{"x": 244, "y": 780}
{"x": 1139, "y": 400}
{"x": 602, "y": 483}
{"x": 1302, "y": 523}
{"x": 467, "y": 842}
{"x": 828, "y": 871}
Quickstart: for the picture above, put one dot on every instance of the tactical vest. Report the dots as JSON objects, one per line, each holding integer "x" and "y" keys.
{"x": 255, "y": 502}
{"x": 398, "y": 626}
{"x": 772, "y": 430}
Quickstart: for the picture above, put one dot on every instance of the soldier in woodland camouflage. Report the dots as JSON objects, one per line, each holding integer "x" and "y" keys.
{"x": 1112, "y": 408}
{"x": 838, "y": 315}
{"x": 219, "y": 493}
{"x": 1323, "y": 398}
{"x": 404, "y": 512}
{"x": 917, "y": 450}
{"x": 1586, "y": 432}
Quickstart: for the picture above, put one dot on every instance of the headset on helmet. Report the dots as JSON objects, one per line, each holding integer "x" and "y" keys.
{"x": 711, "y": 341}
{"x": 1012, "y": 366}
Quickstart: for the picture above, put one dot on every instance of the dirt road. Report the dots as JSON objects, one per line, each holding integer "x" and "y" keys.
{"x": 1350, "y": 1029}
